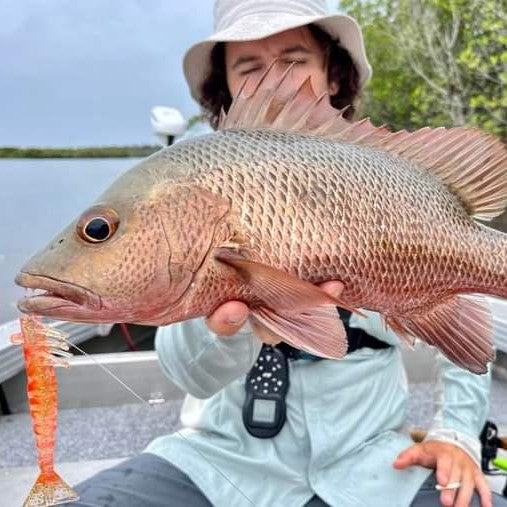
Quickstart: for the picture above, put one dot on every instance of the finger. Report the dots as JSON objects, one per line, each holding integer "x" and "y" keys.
{"x": 466, "y": 490}
{"x": 444, "y": 467}
{"x": 333, "y": 288}
{"x": 448, "y": 495}
{"x": 418, "y": 454}
{"x": 263, "y": 333}
{"x": 482, "y": 487}
{"x": 408, "y": 457}
{"x": 228, "y": 318}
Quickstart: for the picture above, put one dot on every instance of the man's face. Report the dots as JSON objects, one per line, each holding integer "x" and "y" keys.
{"x": 251, "y": 58}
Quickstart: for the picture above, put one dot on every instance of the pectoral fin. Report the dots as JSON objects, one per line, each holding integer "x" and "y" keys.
{"x": 299, "y": 312}
{"x": 460, "y": 328}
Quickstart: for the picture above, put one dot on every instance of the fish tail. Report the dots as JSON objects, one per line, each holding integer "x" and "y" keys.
{"x": 50, "y": 489}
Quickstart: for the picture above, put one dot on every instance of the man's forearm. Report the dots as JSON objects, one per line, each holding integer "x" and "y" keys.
{"x": 200, "y": 362}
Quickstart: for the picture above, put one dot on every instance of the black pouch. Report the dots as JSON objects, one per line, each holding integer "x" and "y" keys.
{"x": 267, "y": 383}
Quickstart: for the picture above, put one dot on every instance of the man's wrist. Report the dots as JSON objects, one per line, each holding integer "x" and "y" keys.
{"x": 470, "y": 445}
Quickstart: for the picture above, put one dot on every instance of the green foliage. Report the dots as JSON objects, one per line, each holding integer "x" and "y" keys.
{"x": 92, "y": 152}
{"x": 196, "y": 118}
{"x": 435, "y": 62}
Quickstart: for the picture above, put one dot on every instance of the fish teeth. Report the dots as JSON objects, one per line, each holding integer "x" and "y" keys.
{"x": 35, "y": 292}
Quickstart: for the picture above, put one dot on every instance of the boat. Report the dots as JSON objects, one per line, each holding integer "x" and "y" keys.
{"x": 167, "y": 123}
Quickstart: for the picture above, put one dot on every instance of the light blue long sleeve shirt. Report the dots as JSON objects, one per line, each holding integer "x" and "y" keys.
{"x": 344, "y": 424}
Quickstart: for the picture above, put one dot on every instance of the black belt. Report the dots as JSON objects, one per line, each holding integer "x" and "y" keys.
{"x": 267, "y": 383}
{"x": 357, "y": 337}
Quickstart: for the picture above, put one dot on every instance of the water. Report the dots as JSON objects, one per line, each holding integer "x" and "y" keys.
{"x": 38, "y": 198}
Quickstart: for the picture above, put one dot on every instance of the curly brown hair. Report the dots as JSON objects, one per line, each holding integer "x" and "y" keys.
{"x": 340, "y": 70}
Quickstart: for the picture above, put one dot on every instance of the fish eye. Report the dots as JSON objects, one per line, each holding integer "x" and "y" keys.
{"x": 97, "y": 224}
{"x": 97, "y": 229}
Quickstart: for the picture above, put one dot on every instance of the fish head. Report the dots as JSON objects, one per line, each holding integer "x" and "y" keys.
{"x": 128, "y": 258}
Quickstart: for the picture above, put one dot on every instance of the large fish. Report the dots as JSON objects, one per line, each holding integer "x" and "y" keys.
{"x": 288, "y": 194}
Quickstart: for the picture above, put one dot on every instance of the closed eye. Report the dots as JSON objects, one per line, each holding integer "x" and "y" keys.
{"x": 249, "y": 71}
{"x": 292, "y": 60}
{"x": 287, "y": 61}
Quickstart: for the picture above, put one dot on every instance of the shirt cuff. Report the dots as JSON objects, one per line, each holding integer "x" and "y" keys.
{"x": 470, "y": 445}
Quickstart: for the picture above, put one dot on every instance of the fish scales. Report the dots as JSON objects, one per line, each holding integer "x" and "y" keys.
{"x": 324, "y": 210}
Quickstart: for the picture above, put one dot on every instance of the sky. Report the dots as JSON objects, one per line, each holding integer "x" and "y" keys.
{"x": 88, "y": 73}
{"x": 78, "y": 73}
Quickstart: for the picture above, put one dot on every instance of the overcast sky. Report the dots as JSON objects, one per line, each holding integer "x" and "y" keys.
{"x": 79, "y": 73}
{"x": 88, "y": 73}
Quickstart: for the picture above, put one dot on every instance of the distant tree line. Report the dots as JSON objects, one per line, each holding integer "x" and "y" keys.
{"x": 91, "y": 152}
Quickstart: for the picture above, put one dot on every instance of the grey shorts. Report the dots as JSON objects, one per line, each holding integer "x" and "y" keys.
{"x": 149, "y": 481}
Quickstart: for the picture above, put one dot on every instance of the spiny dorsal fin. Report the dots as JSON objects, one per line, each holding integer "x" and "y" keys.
{"x": 473, "y": 164}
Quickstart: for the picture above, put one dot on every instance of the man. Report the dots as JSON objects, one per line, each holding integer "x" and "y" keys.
{"x": 341, "y": 442}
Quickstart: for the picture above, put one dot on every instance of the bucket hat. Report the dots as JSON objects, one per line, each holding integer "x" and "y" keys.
{"x": 243, "y": 20}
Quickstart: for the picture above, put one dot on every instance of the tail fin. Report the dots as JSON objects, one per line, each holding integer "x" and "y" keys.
{"x": 50, "y": 489}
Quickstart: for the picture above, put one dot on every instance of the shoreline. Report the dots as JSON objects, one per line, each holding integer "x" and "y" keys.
{"x": 12, "y": 152}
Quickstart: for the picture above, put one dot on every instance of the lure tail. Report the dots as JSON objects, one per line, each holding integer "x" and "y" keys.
{"x": 50, "y": 489}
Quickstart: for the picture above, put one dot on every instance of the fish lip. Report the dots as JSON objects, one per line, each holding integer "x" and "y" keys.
{"x": 60, "y": 293}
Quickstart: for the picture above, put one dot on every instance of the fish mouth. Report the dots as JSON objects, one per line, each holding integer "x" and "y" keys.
{"x": 56, "y": 295}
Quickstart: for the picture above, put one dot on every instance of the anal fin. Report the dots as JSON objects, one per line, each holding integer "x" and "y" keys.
{"x": 461, "y": 328}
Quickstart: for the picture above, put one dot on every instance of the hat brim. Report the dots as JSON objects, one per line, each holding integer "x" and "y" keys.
{"x": 196, "y": 63}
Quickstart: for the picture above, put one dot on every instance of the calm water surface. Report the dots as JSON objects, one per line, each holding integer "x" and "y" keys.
{"x": 38, "y": 198}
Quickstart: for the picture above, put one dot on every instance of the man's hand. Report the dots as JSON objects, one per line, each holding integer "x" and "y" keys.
{"x": 452, "y": 465}
{"x": 228, "y": 318}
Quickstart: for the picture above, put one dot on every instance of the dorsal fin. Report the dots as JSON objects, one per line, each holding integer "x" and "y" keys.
{"x": 473, "y": 164}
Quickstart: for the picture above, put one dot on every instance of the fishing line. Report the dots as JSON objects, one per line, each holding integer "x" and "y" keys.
{"x": 109, "y": 372}
{"x": 146, "y": 402}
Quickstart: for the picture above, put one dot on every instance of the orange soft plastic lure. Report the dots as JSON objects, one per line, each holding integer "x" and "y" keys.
{"x": 44, "y": 349}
